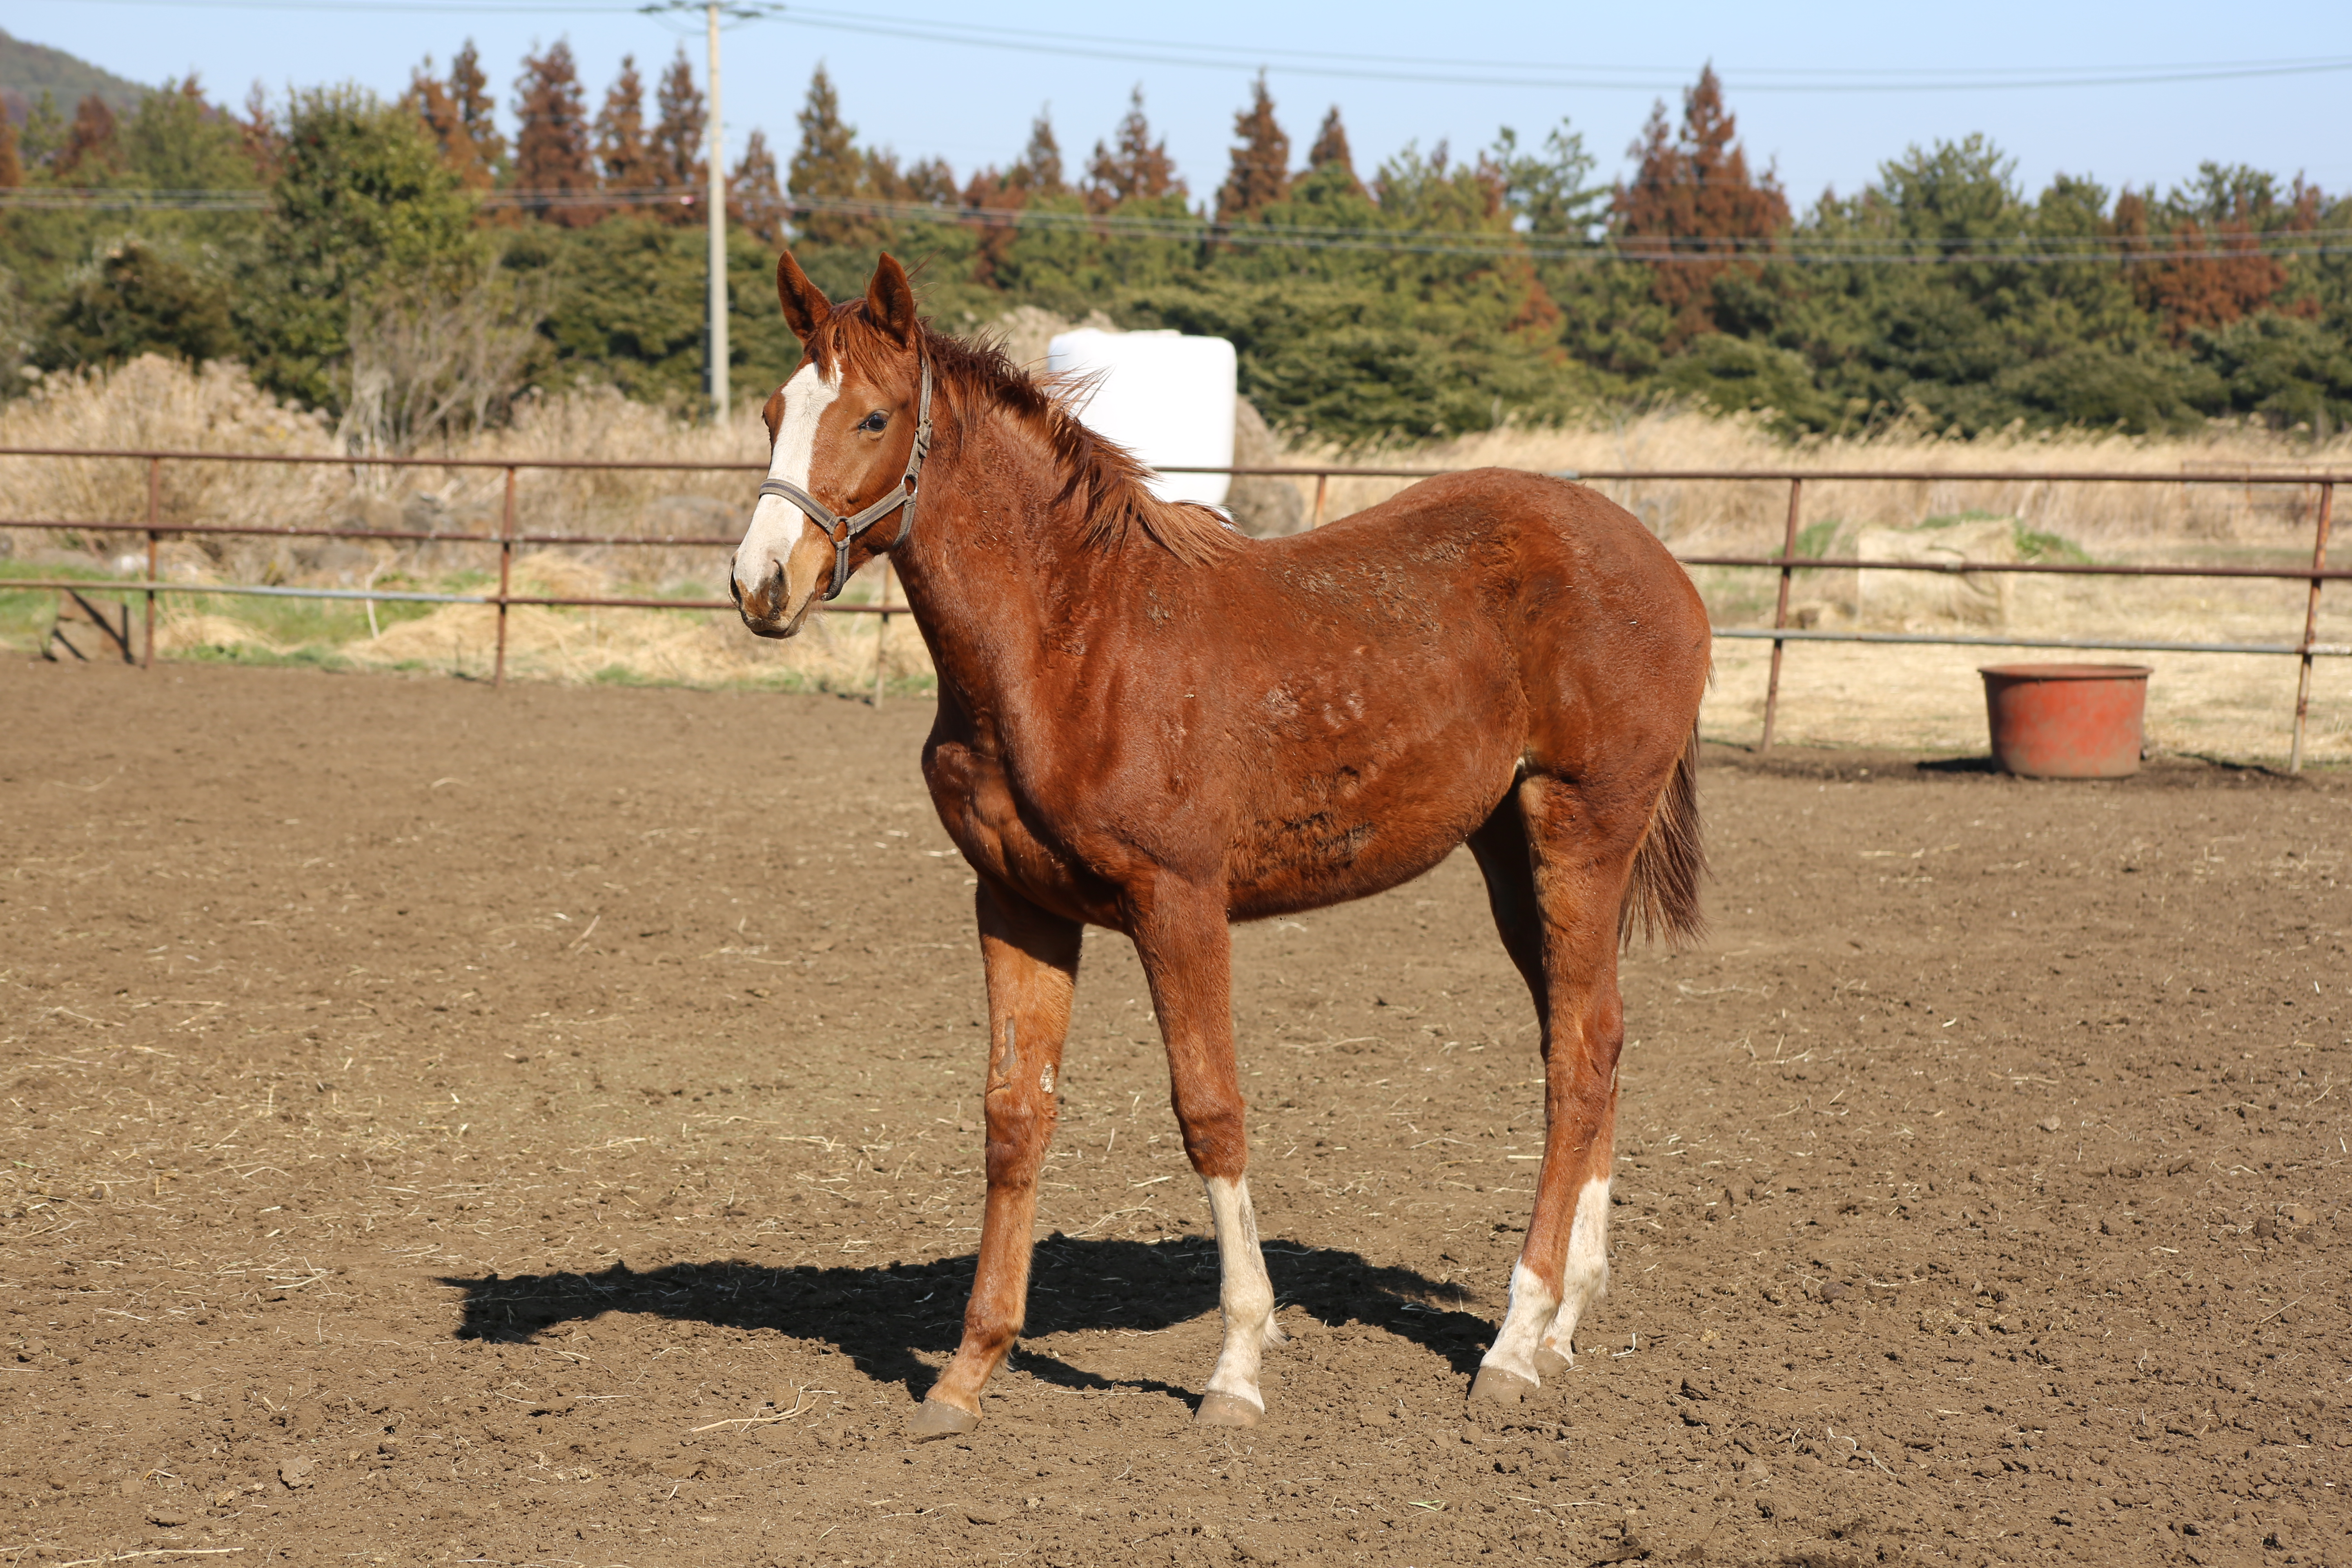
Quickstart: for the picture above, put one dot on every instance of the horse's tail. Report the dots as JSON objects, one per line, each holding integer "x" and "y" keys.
{"x": 1661, "y": 897}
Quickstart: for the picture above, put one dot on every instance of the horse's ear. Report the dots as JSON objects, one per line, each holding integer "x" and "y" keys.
{"x": 804, "y": 303}
{"x": 890, "y": 300}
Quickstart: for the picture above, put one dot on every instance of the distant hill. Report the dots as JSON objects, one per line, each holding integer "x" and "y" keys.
{"x": 26, "y": 69}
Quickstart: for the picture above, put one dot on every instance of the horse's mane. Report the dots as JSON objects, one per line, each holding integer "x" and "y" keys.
{"x": 1109, "y": 484}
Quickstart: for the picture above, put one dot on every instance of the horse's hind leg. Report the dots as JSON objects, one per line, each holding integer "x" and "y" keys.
{"x": 1032, "y": 963}
{"x": 1187, "y": 953}
{"x": 1578, "y": 865}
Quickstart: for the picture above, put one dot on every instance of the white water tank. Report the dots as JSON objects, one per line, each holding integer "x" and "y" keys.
{"x": 1165, "y": 396}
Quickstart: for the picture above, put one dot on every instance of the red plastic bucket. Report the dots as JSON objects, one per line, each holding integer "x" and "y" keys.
{"x": 2066, "y": 721}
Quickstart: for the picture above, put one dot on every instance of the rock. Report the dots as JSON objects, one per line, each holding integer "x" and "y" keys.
{"x": 1263, "y": 506}
{"x": 985, "y": 1513}
{"x": 2050, "y": 1124}
{"x": 297, "y": 1471}
{"x": 1926, "y": 600}
{"x": 2264, "y": 1229}
{"x": 1833, "y": 1292}
{"x": 167, "y": 1518}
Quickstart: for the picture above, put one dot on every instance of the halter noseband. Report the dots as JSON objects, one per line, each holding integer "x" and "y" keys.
{"x": 844, "y": 530}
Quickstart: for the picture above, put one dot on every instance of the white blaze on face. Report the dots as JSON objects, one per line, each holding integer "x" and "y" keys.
{"x": 776, "y": 523}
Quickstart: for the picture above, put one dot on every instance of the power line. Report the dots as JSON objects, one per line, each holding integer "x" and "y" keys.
{"x": 1589, "y": 77}
{"x": 1526, "y": 74}
{"x": 1797, "y": 250}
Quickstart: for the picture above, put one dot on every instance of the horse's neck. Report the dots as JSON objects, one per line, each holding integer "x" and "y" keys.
{"x": 997, "y": 564}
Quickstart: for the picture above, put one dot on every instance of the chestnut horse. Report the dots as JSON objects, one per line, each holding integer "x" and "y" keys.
{"x": 1150, "y": 722}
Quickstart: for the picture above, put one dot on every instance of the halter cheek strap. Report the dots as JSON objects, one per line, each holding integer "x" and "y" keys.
{"x": 900, "y": 498}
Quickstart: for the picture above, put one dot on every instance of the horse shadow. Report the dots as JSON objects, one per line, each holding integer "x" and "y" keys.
{"x": 885, "y": 1316}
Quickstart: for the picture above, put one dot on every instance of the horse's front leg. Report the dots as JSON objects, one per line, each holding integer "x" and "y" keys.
{"x": 1032, "y": 963}
{"x": 1187, "y": 952}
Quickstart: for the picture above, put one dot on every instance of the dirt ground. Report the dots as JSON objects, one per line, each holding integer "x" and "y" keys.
{"x": 539, "y": 1127}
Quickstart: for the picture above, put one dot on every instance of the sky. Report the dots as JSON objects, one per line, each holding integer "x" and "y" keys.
{"x": 1823, "y": 92}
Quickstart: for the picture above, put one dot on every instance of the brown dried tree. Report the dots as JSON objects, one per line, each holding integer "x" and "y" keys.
{"x": 1692, "y": 199}
{"x": 1136, "y": 168}
{"x": 551, "y": 153}
{"x": 469, "y": 89}
{"x": 626, "y": 163}
{"x": 2212, "y": 274}
{"x": 1261, "y": 160}
{"x": 434, "y": 104}
{"x": 677, "y": 143}
{"x": 91, "y": 154}
{"x": 827, "y": 168}
{"x": 1331, "y": 147}
{"x": 264, "y": 139}
{"x": 755, "y": 199}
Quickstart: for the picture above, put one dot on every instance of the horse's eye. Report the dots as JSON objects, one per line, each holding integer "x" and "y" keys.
{"x": 874, "y": 421}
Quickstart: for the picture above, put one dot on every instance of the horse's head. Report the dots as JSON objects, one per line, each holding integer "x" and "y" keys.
{"x": 846, "y": 438}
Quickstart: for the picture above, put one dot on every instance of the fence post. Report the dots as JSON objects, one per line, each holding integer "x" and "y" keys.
{"x": 882, "y": 633}
{"x": 1322, "y": 482}
{"x": 506, "y": 568}
{"x": 2311, "y": 623}
{"x": 154, "y": 516}
{"x": 1780, "y": 615}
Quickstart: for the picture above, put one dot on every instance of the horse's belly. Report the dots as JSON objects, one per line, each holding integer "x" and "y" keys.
{"x": 1342, "y": 841}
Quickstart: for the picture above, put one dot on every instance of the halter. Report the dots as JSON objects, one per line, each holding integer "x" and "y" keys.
{"x": 844, "y": 530}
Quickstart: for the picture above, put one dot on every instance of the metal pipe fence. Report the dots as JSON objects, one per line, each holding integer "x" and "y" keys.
{"x": 1785, "y": 564}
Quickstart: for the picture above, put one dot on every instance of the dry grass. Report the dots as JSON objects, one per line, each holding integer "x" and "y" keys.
{"x": 1923, "y": 697}
{"x": 1698, "y": 518}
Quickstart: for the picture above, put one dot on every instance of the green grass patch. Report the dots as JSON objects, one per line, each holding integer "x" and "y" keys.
{"x": 26, "y": 614}
{"x": 1813, "y": 539}
{"x": 2033, "y": 543}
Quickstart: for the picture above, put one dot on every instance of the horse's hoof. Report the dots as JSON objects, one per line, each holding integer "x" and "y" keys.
{"x": 1227, "y": 1410}
{"x": 938, "y": 1418}
{"x": 1550, "y": 1364}
{"x": 1496, "y": 1386}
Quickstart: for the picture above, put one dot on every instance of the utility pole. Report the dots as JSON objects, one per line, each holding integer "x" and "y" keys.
{"x": 718, "y": 200}
{"x": 715, "y": 192}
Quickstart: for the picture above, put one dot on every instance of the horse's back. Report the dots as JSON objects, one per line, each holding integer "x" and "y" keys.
{"x": 1608, "y": 645}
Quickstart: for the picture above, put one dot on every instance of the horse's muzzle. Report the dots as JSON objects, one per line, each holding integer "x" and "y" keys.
{"x": 763, "y": 607}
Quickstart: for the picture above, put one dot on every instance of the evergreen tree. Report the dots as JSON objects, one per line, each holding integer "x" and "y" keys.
{"x": 677, "y": 143}
{"x": 361, "y": 204}
{"x": 1136, "y": 168}
{"x": 1691, "y": 196}
{"x": 175, "y": 140}
{"x": 551, "y": 153}
{"x": 44, "y": 132}
{"x": 137, "y": 300}
{"x": 826, "y": 168}
{"x": 627, "y": 163}
{"x": 1261, "y": 160}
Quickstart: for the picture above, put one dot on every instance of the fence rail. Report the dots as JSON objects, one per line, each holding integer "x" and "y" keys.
{"x": 1787, "y": 563}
